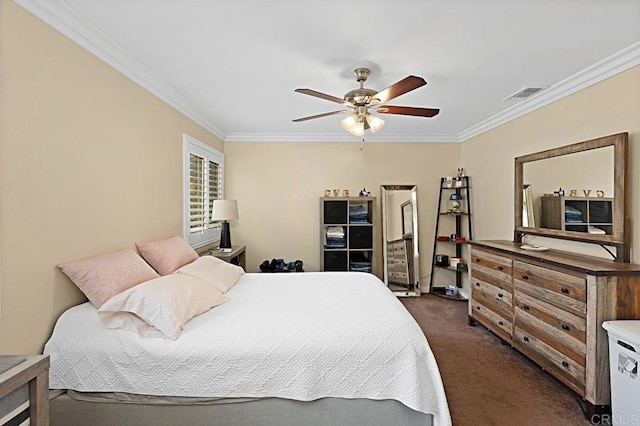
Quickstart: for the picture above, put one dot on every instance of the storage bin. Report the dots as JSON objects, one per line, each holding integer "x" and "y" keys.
{"x": 336, "y": 261}
{"x": 360, "y": 237}
{"x": 600, "y": 212}
{"x": 336, "y": 212}
{"x": 624, "y": 355}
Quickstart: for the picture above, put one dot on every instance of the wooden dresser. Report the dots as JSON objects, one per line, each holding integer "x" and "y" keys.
{"x": 550, "y": 306}
{"x": 400, "y": 261}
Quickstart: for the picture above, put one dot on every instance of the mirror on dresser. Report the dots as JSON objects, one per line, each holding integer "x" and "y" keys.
{"x": 400, "y": 239}
{"x": 576, "y": 192}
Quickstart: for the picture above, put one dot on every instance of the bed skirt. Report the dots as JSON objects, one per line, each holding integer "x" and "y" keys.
{"x": 65, "y": 411}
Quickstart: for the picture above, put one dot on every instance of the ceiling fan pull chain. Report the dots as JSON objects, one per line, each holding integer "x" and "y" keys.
{"x": 362, "y": 145}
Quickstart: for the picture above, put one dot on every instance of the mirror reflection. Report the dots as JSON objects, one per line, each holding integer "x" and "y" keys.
{"x": 400, "y": 239}
{"x": 571, "y": 192}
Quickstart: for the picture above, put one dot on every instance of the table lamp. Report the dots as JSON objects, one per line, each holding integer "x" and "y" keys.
{"x": 225, "y": 210}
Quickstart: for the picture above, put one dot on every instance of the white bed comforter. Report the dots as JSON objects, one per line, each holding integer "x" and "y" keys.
{"x": 300, "y": 336}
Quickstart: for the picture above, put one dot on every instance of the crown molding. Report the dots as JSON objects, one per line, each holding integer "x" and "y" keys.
{"x": 337, "y": 137}
{"x": 65, "y": 19}
{"x": 623, "y": 60}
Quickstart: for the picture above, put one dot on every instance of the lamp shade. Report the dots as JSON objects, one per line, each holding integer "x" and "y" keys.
{"x": 349, "y": 122}
{"x": 225, "y": 210}
{"x": 375, "y": 123}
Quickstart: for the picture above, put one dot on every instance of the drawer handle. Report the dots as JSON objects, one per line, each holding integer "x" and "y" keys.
{"x": 477, "y": 284}
{"x": 478, "y": 307}
{"x": 525, "y": 338}
{"x": 525, "y": 276}
{"x": 478, "y": 260}
{"x": 565, "y": 327}
{"x": 500, "y": 323}
{"x": 564, "y": 290}
{"x": 525, "y": 307}
{"x": 565, "y": 364}
{"x": 499, "y": 294}
{"x": 500, "y": 268}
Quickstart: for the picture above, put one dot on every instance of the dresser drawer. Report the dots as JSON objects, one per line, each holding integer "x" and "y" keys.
{"x": 401, "y": 262}
{"x": 395, "y": 267}
{"x": 492, "y": 320}
{"x": 491, "y": 261}
{"x": 401, "y": 277}
{"x": 495, "y": 298}
{"x": 399, "y": 249}
{"x": 561, "y": 366}
{"x": 558, "y": 328}
{"x": 558, "y": 288}
{"x": 492, "y": 269}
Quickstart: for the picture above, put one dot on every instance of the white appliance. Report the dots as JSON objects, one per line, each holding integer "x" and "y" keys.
{"x": 624, "y": 356}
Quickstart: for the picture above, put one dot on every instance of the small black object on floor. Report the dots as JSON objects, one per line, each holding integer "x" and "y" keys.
{"x": 279, "y": 265}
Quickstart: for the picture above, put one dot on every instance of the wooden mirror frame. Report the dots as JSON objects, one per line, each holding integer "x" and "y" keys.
{"x": 620, "y": 236}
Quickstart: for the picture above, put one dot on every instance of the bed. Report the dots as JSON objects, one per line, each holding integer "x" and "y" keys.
{"x": 299, "y": 348}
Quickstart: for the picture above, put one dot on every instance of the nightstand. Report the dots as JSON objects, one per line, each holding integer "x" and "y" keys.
{"x": 235, "y": 256}
{"x": 24, "y": 389}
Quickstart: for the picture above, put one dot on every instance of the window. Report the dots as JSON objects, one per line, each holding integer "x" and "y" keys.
{"x": 203, "y": 183}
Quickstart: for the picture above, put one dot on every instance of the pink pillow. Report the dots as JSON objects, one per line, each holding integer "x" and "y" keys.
{"x": 217, "y": 272}
{"x": 167, "y": 255}
{"x": 160, "y": 307}
{"x": 102, "y": 277}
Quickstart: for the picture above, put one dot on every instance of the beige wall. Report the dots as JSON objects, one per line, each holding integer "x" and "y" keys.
{"x": 278, "y": 186}
{"x": 89, "y": 162}
{"x": 608, "y": 107}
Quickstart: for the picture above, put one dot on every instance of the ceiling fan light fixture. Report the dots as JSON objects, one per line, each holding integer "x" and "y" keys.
{"x": 358, "y": 128}
{"x": 349, "y": 122}
{"x": 375, "y": 123}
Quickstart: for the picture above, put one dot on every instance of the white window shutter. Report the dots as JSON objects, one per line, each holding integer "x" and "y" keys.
{"x": 203, "y": 183}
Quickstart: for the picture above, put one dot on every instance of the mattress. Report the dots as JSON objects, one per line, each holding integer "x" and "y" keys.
{"x": 301, "y": 336}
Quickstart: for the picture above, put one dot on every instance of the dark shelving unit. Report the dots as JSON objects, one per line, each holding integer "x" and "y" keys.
{"x": 462, "y": 228}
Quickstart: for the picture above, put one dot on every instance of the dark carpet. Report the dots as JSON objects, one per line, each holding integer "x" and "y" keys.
{"x": 487, "y": 382}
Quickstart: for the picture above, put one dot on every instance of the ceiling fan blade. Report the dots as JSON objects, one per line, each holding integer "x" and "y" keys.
{"x": 401, "y": 87}
{"x": 321, "y": 95}
{"x": 311, "y": 117}
{"x": 402, "y": 110}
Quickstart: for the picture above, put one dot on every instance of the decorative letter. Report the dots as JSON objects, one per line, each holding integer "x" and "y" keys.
{"x": 586, "y": 192}
{"x": 336, "y": 192}
{"x": 327, "y": 193}
{"x": 345, "y": 192}
{"x": 600, "y": 193}
{"x": 573, "y": 193}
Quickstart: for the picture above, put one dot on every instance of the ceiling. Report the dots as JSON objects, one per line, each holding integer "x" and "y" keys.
{"x": 233, "y": 65}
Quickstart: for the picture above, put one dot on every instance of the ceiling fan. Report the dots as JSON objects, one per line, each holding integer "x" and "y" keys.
{"x": 362, "y": 101}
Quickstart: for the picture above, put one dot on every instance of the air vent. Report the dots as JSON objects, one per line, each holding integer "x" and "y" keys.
{"x": 525, "y": 92}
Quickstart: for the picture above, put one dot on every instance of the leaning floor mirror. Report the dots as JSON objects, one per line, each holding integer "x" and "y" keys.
{"x": 400, "y": 239}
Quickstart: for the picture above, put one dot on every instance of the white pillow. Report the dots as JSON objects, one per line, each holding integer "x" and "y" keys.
{"x": 215, "y": 271}
{"x": 161, "y": 306}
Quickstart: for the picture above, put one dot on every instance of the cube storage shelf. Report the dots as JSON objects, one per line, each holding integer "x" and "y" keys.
{"x": 577, "y": 214}
{"x": 348, "y": 234}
